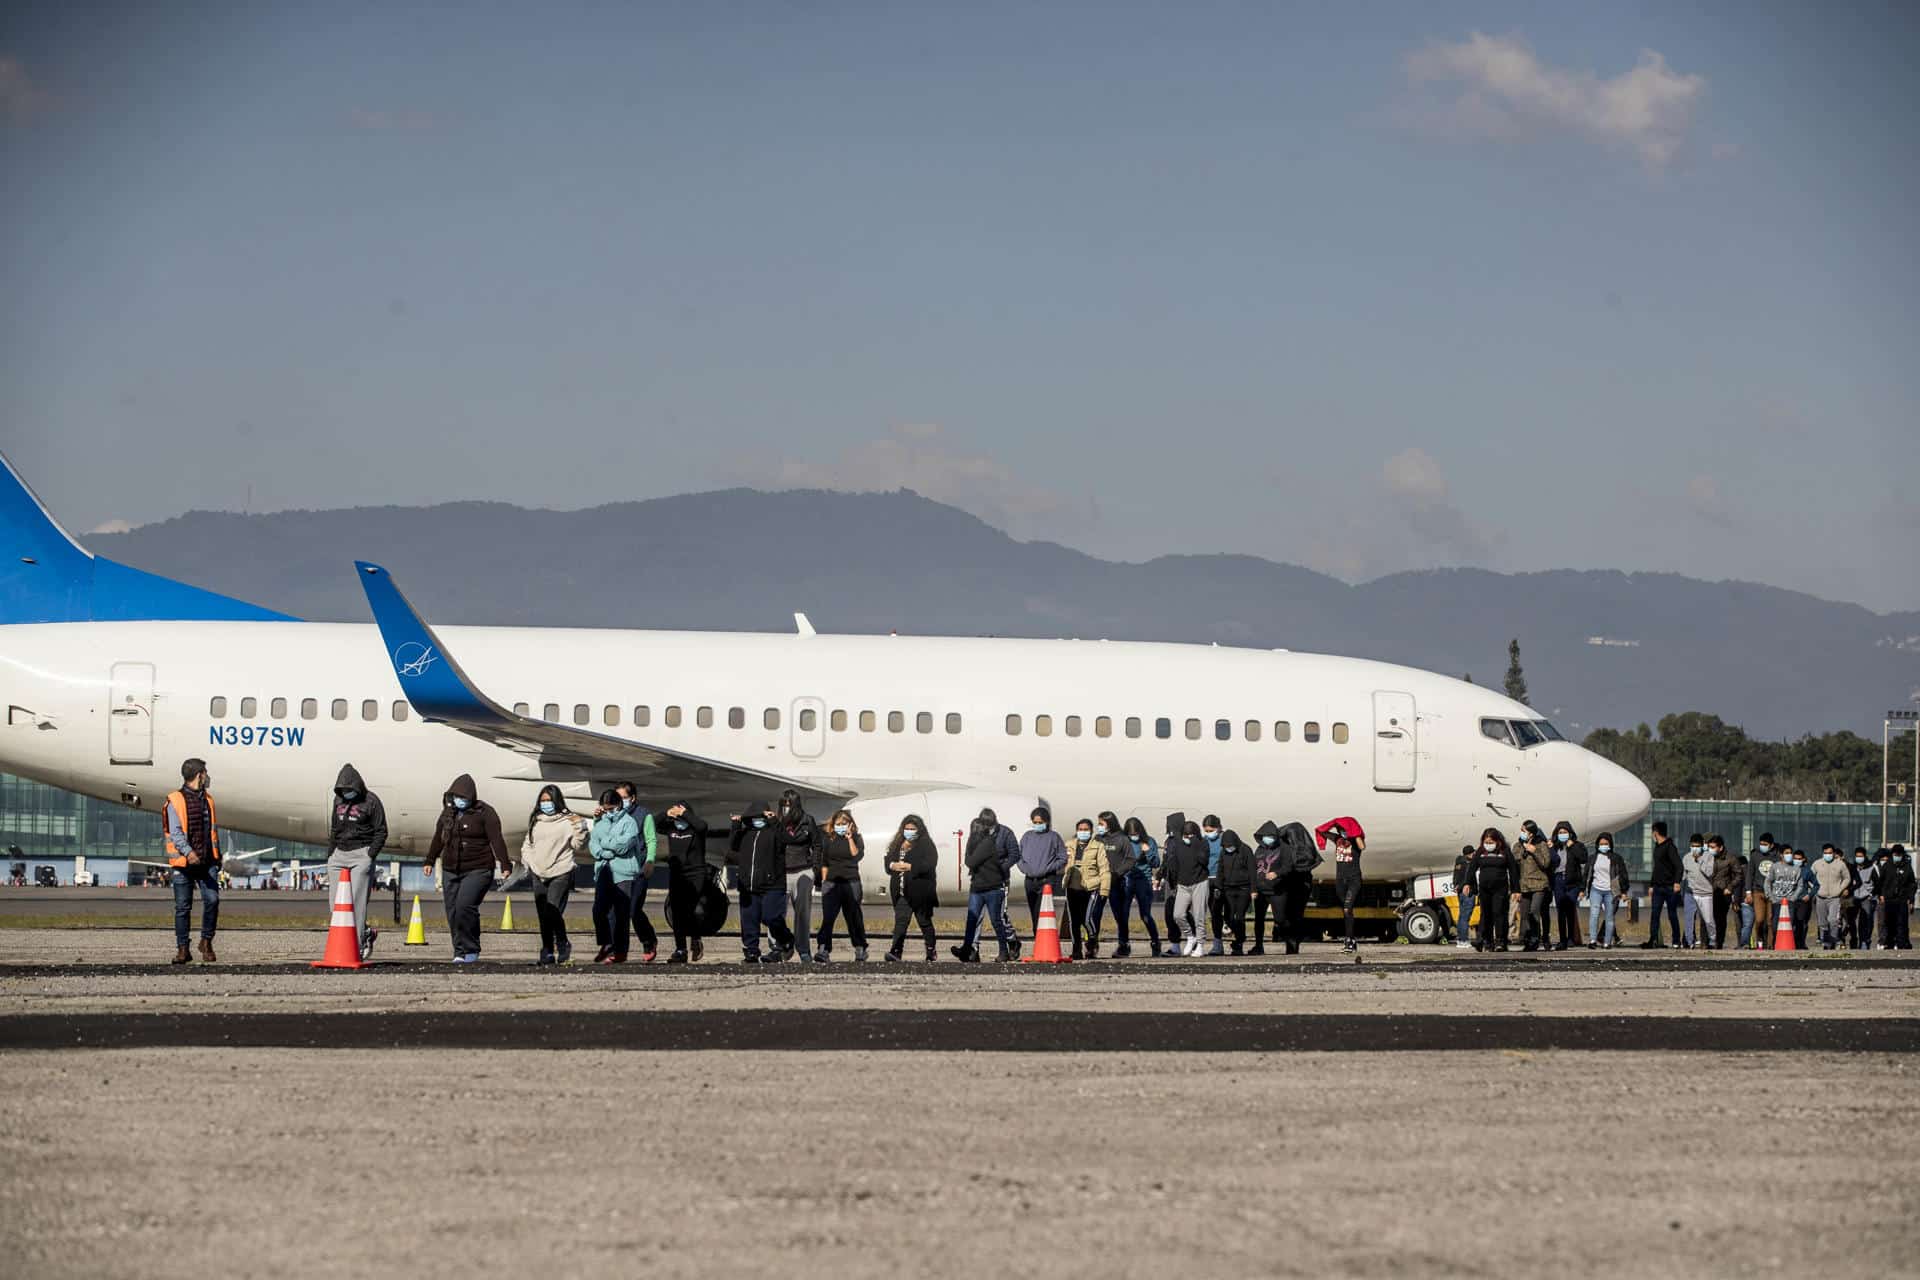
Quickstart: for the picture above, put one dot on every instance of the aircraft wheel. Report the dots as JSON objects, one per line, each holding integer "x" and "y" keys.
{"x": 1420, "y": 925}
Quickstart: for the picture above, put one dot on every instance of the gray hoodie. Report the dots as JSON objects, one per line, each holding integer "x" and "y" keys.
{"x": 1699, "y": 869}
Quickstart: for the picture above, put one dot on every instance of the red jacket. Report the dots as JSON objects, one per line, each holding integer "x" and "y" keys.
{"x": 1350, "y": 825}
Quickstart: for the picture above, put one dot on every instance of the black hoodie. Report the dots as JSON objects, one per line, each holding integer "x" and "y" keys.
{"x": 985, "y": 871}
{"x": 469, "y": 838}
{"x": 1300, "y": 852}
{"x": 1266, "y": 858}
{"x": 1236, "y": 862}
{"x": 759, "y": 852}
{"x": 686, "y": 845}
{"x": 1185, "y": 863}
{"x": 360, "y": 823}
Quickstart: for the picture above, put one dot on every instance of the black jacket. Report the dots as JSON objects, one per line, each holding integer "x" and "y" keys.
{"x": 467, "y": 839}
{"x": 1236, "y": 862}
{"x": 686, "y": 845}
{"x": 985, "y": 871}
{"x": 801, "y": 845}
{"x": 1897, "y": 880}
{"x": 1495, "y": 872}
{"x": 359, "y": 824}
{"x": 1299, "y": 853}
{"x": 1573, "y": 866}
{"x": 919, "y": 883}
{"x": 840, "y": 856}
{"x": 1666, "y": 869}
{"x": 760, "y": 853}
{"x": 1619, "y": 868}
{"x": 1266, "y": 858}
{"x": 1185, "y": 861}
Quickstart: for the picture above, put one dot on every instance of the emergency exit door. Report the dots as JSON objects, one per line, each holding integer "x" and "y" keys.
{"x": 1395, "y": 755}
{"x": 130, "y": 713}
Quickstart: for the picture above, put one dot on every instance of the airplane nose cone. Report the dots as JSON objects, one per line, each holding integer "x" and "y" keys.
{"x": 1615, "y": 798}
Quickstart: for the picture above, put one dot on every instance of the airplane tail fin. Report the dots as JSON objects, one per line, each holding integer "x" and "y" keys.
{"x": 47, "y": 576}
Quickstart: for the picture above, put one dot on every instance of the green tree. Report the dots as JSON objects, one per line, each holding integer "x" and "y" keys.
{"x": 1516, "y": 678}
{"x": 1701, "y": 756}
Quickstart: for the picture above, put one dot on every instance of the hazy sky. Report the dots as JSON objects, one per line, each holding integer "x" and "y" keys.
{"x": 1365, "y": 287}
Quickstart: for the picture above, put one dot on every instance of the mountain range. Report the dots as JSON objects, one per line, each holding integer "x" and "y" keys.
{"x": 1600, "y": 648}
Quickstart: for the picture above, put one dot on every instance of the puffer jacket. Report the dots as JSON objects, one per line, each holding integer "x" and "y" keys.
{"x": 467, "y": 839}
{"x": 759, "y": 853}
{"x": 1087, "y": 866}
{"x": 553, "y": 843}
{"x": 615, "y": 843}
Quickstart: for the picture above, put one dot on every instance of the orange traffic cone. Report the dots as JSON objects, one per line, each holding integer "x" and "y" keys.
{"x": 1046, "y": 935}
{"x": 343, "y": 939}
{"x": 1783, "y": 928}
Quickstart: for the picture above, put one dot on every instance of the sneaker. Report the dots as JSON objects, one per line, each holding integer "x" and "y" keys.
{"x": 698, "y": 950}
{"x": 860, "y": 955}
{"x": 1591, "y": 946}
{"x": 472, "y": 957}
{"x": 546, "y": 957}
{"x": 646, "y": 957}
{"x": 1216, "y": 949}
{"x": 773, "y": 957}
{"x": 600, "y": 956}
{"x": 618, "y": 957}
{"x": 366, "y": 945}
{"x": 1014, "y": 947}
{"x": 1170, "y": 952}
{"x": 1122, "y": 952}
{"x": 1257, "y": 949}
{"x": 822, "y": 956}
{"x": 564, "y": 955}
{"x": 678, "y": 957}
{"x": 892, "y": 957}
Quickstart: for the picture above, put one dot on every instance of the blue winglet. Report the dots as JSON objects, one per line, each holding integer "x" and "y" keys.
{"x": 433, "y": 682}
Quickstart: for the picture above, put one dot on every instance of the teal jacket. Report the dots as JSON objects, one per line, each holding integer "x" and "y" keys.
{"x": 616, "y": 844}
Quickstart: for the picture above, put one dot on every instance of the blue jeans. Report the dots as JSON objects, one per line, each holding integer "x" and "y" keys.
{"x": 1460, "y": 927}
{"x": 183, "y": 906}
{"x": 993, "y": 905}
{"x": 1746, "y": 923}
{"x": 1663, "y": 896}
{"x": 1135, "y": 890}
{"x": 769, "y": 908}
{"x": 1600, "y": 910}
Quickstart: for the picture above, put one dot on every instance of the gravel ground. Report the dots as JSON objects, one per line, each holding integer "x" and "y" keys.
{"x": 851, "y": 1165}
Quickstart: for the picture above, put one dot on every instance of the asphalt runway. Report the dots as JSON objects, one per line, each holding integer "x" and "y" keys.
{"x": 949, "y": 1031}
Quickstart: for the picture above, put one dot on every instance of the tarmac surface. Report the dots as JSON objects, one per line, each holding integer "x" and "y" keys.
{"x": 1406, "y": 1111}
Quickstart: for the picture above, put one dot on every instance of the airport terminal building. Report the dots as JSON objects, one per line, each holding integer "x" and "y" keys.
{"x": 50, "y": 827}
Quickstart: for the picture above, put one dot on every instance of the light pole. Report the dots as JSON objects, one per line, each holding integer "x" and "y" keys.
{"x": 1908, "y": 722}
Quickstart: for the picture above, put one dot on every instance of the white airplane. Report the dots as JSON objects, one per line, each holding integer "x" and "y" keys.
{"x": 112, "y": 676}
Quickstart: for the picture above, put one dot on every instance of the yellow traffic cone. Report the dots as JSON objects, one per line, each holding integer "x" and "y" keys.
{"x": 417, "y": 927}
{"x": 506, "y": 917}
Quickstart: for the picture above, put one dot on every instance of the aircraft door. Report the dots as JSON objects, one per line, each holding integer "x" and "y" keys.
{"x": 130, "y": 714}
{"x": 1395, "y": 758}
{"x": 809, "y": 727}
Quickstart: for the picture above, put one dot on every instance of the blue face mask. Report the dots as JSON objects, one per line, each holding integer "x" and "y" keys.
{"x": 1083, "y": 836}
{"x": 1693, "y": 848}
{"x": 349, "y": 795}
{"x": 1862, "y": 859}
{"x": 759, "y": 822}
{"x": 679, "y": 826}
{"x": 460, "y": 802}
{"x": 840, "y": 830}
{"x": 908, "y": 833}
{"x": 1606, "y": 848}
{"x": 626, "y": 802}
{"x": 1563, "y": 837}
{"x": 547, "y": 806}
{"x": 1039, "y": 826}
{"x": 1100, "y": 830}
{"x": 1211, "y": 835}
{"x": 1826, "y": 857}
{"x": 1268, "y": 840}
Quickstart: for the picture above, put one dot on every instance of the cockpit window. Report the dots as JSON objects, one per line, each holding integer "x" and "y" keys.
{"x": 1526, "y": 734}
{"x": 1497, "y": 730}
{"x": 1546, "y": 728}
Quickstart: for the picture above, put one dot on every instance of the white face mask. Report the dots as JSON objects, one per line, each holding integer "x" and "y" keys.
{"x": 1606, "y": 848}
{"x": 1490, "y": 847}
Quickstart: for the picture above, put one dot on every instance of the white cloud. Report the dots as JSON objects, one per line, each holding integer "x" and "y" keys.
{"x": 1505, "y": 91}
{"x": 112, "y": 526}
{"x": 916, "y": 456}
{"x": 1704, "y": 501}
{"x": 1417, "y": 491}
{"x": 19, "y": 96}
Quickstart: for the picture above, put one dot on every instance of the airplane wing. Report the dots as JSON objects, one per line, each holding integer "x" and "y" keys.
{"x": 442, "y": 693}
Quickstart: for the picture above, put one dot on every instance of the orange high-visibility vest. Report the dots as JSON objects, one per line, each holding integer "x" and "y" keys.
{"x": 178, "y": 803}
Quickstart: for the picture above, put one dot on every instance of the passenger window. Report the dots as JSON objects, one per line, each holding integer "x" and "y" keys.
{"x": 704, "y": 717}
{"x": 1133, "y": 726}
{"x": 1497, "y": 730}
{"x": 809, "y": 719}
{"x": 519, "y": 708}
{"x": 953, "y": 722}
{"x": 1253, "y": 730}
{"x": 277, "y": 708}
{"x": 1340, "y": 732}
{"x": 1042, "y": 726}
{"x": 249, "y": 708}
{"x": 399, "y": 709}
{"x": 1223, "y": 730}
{"x": 309, "y": 708}
{"x": 1103, "y": 726}
{"x": 339, "y": 708}
{"x": 736, "y": 717}
{"x": 1310, "y": 731}
{"x": 370, "y": 710}
{"x": 1193, "y": 731}
{"x": 672, "y": 717}
{"x": 837, "y": 720}
{"x": 217, "y": 708}
{"x": 1013, "y": 726}
{"x": 1527, "y": 734}
{"x": 1163, "y": 728}
{"x": 610, "y": 716}
{"x": 551, "y": 713}
{"x": 896, "y": 721}
{"x": 642, "y": 717}
{"x": 923, "y": 723}
{"x": 582, "y": 713}
{"x": 1282, "y": 731}
{"x": 867, "y": 722}
{"x": 770, "y": 719}
{"x": 1073, "y": 726}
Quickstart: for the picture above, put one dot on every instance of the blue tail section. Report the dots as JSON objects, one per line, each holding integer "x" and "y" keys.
{"x": 431, "y": 679}
{"x": 46, "y": 576}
